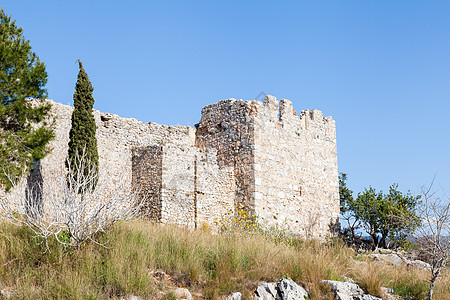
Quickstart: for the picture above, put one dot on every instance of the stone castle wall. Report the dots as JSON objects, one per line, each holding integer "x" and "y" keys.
{"x": 186, "y": 185}
{"x": 262, "y": 156}
{"x": 296, "y": 173}
{"x": 183, "y": 184}
{"x": 227, "y": 127}
{"x": 116, "y": 139}
{"x": 285, "y": 165}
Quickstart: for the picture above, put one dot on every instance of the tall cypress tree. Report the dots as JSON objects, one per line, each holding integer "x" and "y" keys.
{"x": 24, "y": 131}
{"x": 82, "y": 138}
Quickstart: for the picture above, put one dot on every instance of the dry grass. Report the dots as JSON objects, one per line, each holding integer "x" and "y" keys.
{"x": 209, "y": 265}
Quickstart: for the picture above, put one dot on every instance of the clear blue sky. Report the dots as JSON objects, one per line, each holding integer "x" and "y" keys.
{"x": 381, "y": 69}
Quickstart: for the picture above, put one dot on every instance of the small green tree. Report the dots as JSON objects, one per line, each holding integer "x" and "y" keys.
{"x": 82, "y": 139}
{"x": 24, "y": 130}
{"x": 385, "y": 217}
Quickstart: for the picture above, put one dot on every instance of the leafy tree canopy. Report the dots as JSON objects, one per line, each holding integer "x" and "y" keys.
{"x": 24, "y": 132}
{"x": 385, "y": 217}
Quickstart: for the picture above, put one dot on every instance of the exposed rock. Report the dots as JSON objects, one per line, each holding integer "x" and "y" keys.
{"x": 397, "y": 259}
{"x": 348, "y": 291}
{"x": 289, "y": 290}
{"x": 340, "y": 296}
{"x": 266, "y": 291}
{"x": 235, "y": 296}
{"x": 383, "y": 251}
{"x": 369, "y": 297}
{"x": 285, "y": 289}
{"x": 417, "y": 264}
{"x": 348, "y": 288}
{"x": 391, "y": 258}
{"x": 183, "y": 294}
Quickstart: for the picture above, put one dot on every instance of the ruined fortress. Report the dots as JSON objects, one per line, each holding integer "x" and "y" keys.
{"x": 262, "y": 156}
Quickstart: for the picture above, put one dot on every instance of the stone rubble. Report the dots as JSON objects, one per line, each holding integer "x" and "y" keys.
{"x": 390, "y": 258}
{"x": 289, "y": 290}
{"x": 417, "y": 264}
{"x": 348, "y": 291}
{"x": 397, "y": 259}
{"x": 285, "y": 289}
{"x": 266, "y": 291}
{"x": 235, "y": 296}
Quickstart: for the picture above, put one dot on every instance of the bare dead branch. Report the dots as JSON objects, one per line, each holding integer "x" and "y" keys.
{"x": 433, "y": 234}
{"x": 73, "y": 205}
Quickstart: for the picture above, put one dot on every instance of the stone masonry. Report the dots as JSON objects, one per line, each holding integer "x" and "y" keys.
{"x": 261, "y": 156}
{"x": 186, "y": 185}
{"x": 285, "y": 165}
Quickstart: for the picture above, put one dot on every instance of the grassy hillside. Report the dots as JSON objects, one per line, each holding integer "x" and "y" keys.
{"x": 209, "y": 265}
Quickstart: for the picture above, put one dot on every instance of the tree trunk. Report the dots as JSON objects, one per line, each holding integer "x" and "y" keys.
{"x": 383, "y": 241}
{"x": 432, "y": 283}
{"x": 435, "y": 271}
{"x": 374, "y": 241}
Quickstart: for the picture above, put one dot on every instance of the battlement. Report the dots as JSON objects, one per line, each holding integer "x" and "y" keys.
{"x": 281, "y": 113}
